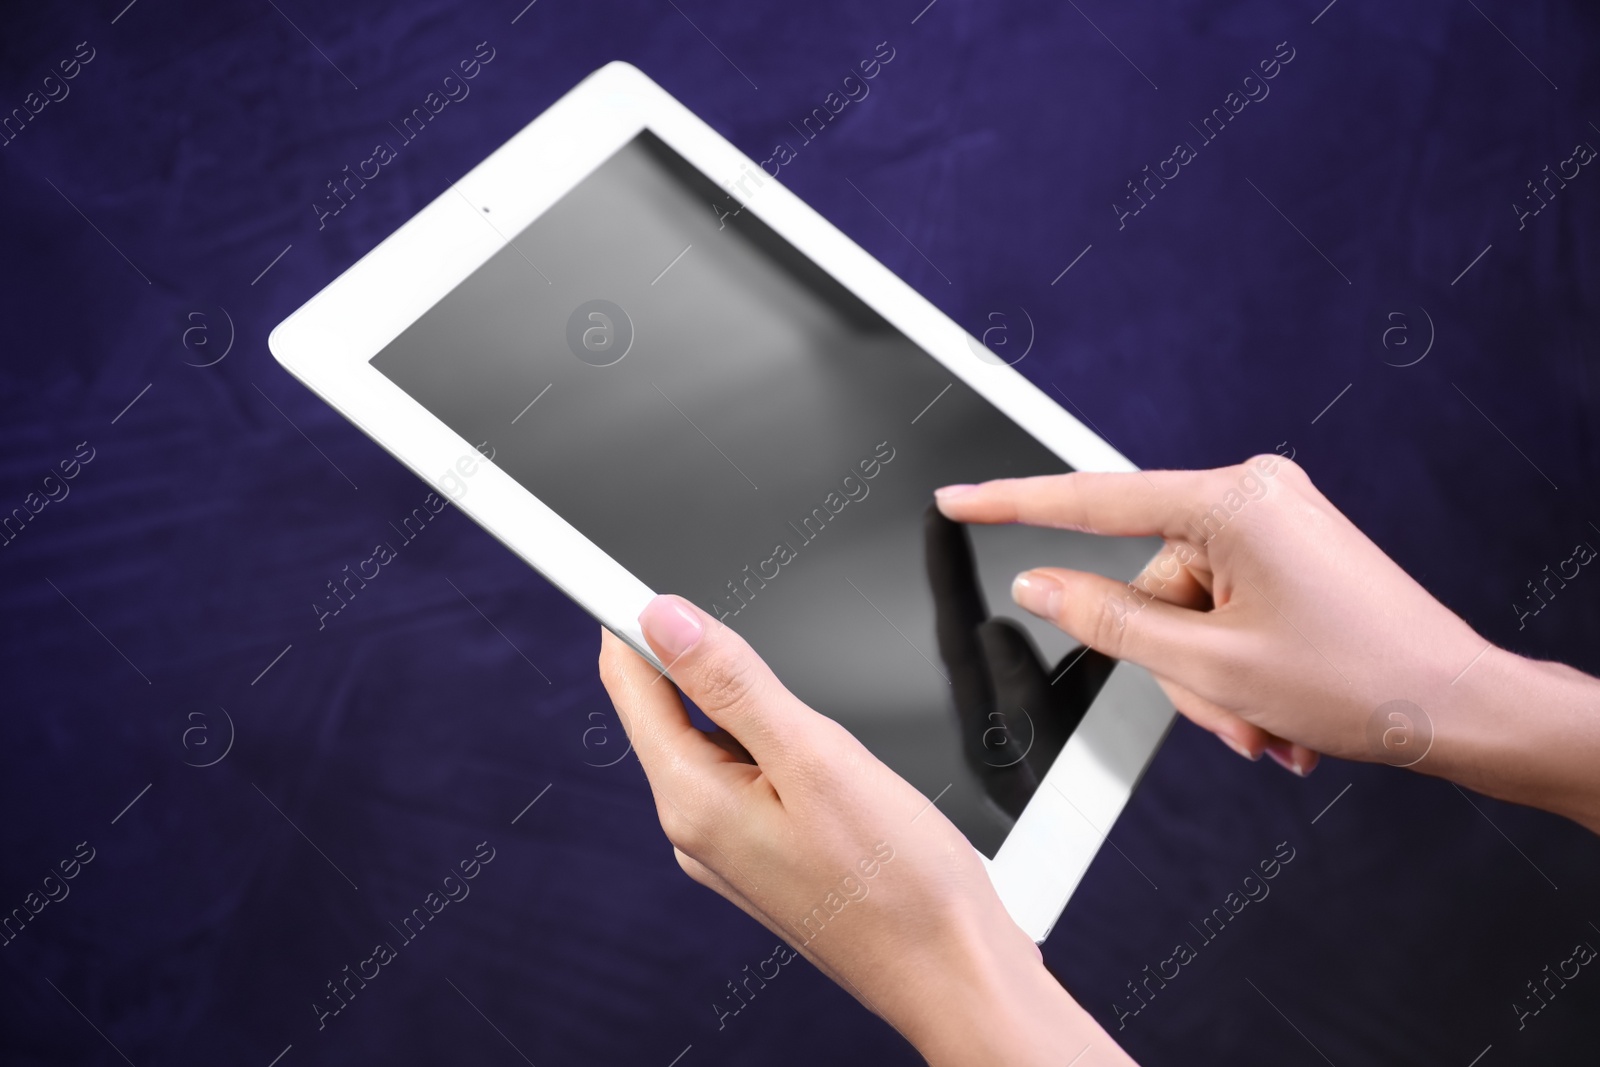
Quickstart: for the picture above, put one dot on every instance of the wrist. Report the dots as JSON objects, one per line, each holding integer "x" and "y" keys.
{"x": 1524, "y": 731}
{"x": 999, "y": 1005}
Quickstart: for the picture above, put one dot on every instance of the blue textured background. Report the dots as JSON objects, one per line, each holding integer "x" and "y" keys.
{"x": 409, "y": 730}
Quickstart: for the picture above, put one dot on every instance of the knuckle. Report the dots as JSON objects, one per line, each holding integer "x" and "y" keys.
{"x": 619, "y": 693}
{"x": 1039, "y": 500}
{"x": 610, "y": 673}
{"x": 1023, "y": 500}
{"x": 681, "y": 831}
{"x": 1109, "y": 626}
{"x": 724, "y": 683}
{"x": 692, "y": 867}
{"x": 616, "y": 664}
{"x": 1289, "y": 470}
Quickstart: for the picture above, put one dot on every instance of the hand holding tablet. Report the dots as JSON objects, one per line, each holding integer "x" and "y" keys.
{"x": 788, "y": 816}
{"x": 922, "y": 932}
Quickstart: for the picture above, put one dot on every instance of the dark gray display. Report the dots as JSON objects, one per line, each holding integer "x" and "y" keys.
{"x": 731, "y": 424}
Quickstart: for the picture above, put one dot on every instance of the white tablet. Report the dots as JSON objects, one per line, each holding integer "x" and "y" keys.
{"x": 629, "y": 353}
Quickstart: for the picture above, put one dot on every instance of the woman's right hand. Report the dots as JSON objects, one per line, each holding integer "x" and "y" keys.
{"x": 1273, "y": 622}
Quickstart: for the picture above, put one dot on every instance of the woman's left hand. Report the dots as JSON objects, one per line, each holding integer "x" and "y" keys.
{"x": 784, "y": 813}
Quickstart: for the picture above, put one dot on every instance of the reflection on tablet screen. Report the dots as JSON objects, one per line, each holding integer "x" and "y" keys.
{"x": 731, "y": 424}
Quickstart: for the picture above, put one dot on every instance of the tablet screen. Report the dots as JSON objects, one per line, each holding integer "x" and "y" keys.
{"x": 731, "y": 424}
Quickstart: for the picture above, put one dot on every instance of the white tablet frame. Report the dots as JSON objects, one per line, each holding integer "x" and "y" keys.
{"x": 328, "y": 342}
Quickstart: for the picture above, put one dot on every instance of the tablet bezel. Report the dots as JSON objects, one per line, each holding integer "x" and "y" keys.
{"x": 328, "y": 342}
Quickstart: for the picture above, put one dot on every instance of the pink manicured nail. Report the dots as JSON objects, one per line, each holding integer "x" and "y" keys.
{"x": 1237, "y": 747}
{"x": 1280, "y": 756}
{"x": 1038, "y": 593}
{"x": 951, "y": 492}
{"x": 671, "y": 625}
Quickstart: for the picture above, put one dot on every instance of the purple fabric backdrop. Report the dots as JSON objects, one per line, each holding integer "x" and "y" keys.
{"x": 159, "y": 205}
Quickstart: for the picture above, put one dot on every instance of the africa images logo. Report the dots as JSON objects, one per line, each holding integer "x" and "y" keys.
{"x": 599, "y": 332}
{"x": 1399, "y": 733}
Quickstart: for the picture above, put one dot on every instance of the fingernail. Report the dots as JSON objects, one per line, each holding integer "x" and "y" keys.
{"x": 1038, "y": 593}
{"x": 1280, "y": 756}
{"x": 950, "y": 492}
{"x": 1239, "y": 748}
{"x": 671, "y": 626}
